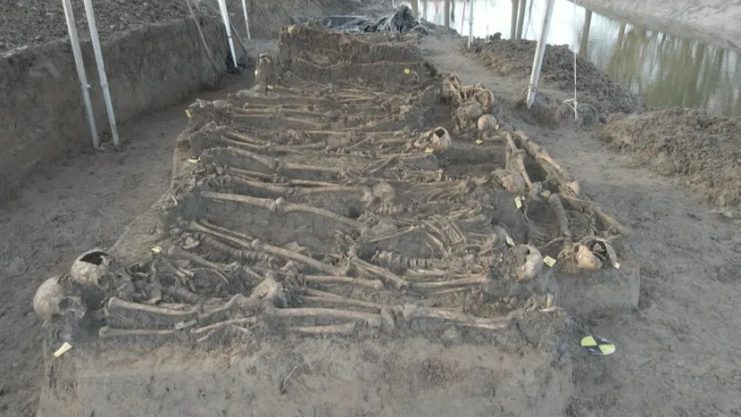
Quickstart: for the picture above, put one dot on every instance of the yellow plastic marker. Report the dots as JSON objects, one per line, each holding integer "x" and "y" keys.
{"x": 608, "y": 349}
{"x": 156, "y": 250}
{"x": 617, "y": 265}
{"x": 518, "y": 202}
{"x": 429, "y": 150}
{"x": 588, "y": 341}
{"x": 270, "y": 87}
{"x": 598, "y": 346}
{"x": 194, "y": 160}
{"x": 479, "y": 141}
{"x": 62, "y": 349}
{"x": 549, "y": 261}
{"x": 509, "y": 241}
{"x": 407, "y": 71}
{"x": 188, "y": 114}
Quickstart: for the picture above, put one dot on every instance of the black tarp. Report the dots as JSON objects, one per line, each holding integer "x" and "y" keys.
{"x": 400, "y": 21}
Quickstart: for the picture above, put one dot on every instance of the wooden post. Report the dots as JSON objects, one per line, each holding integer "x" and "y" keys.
{"x": 513, "y": 25}
{"x": 539, "y": 53}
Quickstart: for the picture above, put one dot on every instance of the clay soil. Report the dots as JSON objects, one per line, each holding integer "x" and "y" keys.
{"x": 677, "y": 352}
{"x": 703, "y": 151}
{"x": 513, "y": 59}
{"x": 64, "y": 209}
{"x": 36, "y": 22}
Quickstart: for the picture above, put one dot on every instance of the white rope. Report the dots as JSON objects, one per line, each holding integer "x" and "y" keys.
{"x": 575, "y": 105}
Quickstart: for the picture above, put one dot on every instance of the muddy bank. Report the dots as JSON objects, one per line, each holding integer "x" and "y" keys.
{"x": 715, "y": 21}
{"x": 514, "y": 58}
{"x": 703, "y": 150}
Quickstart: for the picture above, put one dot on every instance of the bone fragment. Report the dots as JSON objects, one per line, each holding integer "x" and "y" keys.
{"x": 413, "y": 312}
{"x": 329, "y": 279}
{"x": 332, "y": 329}
{"x": 463, "y": 282}
{"x": 383, "y": 273}
{"x": 372, "y": 320}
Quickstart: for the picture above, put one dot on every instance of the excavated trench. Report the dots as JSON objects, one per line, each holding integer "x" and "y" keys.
{"x": 370, "y": 245}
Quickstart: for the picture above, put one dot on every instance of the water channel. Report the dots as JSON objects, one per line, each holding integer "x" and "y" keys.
{"x": 666, "y": 69}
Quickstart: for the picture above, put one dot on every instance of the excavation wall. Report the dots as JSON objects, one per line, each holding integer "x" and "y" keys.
{"x": 41, "y": 112}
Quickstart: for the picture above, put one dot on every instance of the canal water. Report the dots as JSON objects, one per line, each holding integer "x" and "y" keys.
{"x": 667, "y": 70}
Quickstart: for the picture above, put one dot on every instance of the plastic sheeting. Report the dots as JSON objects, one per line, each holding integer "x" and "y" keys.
{"x": 400, "y": 21}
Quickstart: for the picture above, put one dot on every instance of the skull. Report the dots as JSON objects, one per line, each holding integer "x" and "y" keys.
{"x": 533, "y": 264}
{"x": 47, "y": 302}
{"x": 90, "y": 267}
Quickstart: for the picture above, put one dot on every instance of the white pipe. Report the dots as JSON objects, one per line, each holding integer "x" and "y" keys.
{"x": 225, "y": 17}
{"x": 246, "y": 19}
{"x": 81, "y": 73}
{"x": 101, "y": 70}
{"x": 470, "y": 23}
{"x": 539, "y": 53}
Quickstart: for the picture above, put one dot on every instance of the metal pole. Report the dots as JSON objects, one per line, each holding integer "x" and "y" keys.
{"x": 513, "y": 24}
{"x": 101, "y": 70}
{"x": 81, "y": 73}
{"x": 246, "y": 19}
{"x": 225, "y": 17}
{"x": 585, "y": 34}
{"x": 521, "y": 19}
{"x": 446, "y": 13}
{"x": 470, "y": 24}
{"x": 539, "y": 53}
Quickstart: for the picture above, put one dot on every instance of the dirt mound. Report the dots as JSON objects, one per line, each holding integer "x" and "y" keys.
{"x": 313, "y": 52}
{"x": 514, "y": 58}
{"x": 704, "y": 150}
{"x": 36, "y": 22}
{"x": 39, "y": 21}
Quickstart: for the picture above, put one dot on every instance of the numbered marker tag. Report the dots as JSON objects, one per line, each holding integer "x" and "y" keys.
{"x": 518, "y": 202}
{"x": 62, "y": 349}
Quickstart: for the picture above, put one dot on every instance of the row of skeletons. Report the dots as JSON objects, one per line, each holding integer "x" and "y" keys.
{"x": 417, "y": 246}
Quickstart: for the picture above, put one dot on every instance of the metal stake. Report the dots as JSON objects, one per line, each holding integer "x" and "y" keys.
{"x": 470, "y": 24}
{"x": 246, "y": 20}
{"x": 539, "y": 53}
{"x": 101, "y": 70}
{"x": 225, "y": 17}
{"x": 81, "y": 73}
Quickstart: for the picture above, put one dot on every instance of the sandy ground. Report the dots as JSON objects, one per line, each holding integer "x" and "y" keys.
{"x": 677, "y": 354}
